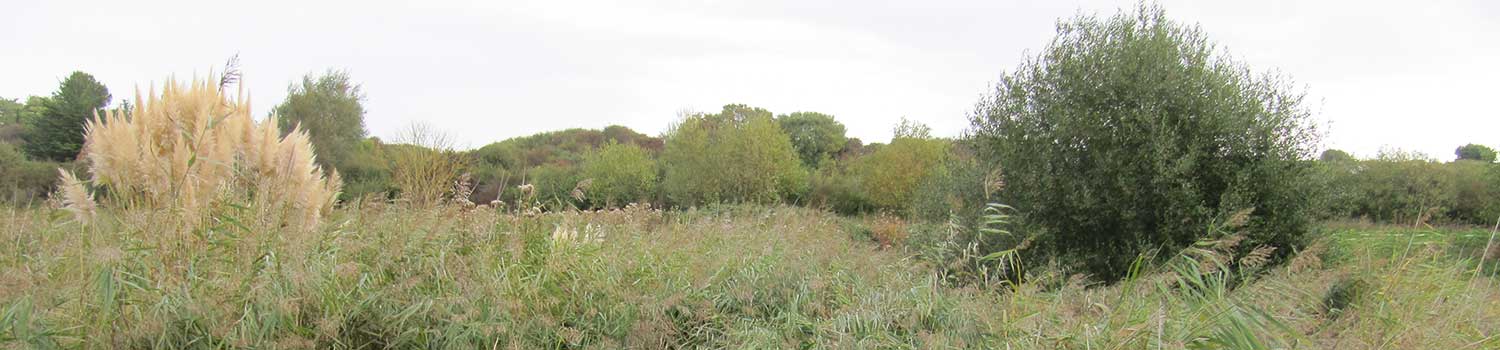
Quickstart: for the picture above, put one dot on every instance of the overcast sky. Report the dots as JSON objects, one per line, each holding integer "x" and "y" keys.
{"x": 1415, "y": 75}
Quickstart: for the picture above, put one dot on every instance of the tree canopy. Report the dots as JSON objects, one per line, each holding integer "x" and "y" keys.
{"x": 1134, "y": 132}
{"x": 330, "y": 107}
{"x": 737, "y": 155}
{"x": 1475, "y": 152}
{"x": 815, "y": 136}
{"x": 56, "y": 133}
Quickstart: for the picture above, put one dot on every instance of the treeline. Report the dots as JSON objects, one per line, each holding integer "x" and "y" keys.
{"x": 1411, "y": 188}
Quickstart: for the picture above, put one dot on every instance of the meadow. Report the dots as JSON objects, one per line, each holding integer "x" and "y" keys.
{"x": 378, "y": 276}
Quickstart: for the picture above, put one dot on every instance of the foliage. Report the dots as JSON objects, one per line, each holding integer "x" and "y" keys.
{"x": 57, "y": 133}
{"x": 749, "y": 156}
{"x": 889, "y": 177}
{"x": 22, "y": 180}
{"x": 815, "y": 136}
{"x": 621, "y": 174}
{"x": 1405, "y": 188}
{"x": 330, "y": 109}
{"x": 1475, "y": 152}
{"x": 424, "y": 165}
{"x": 500, "y": 166}
{"x": 1334, "y": 155}
{"x": 1133, "y": 132}
{"x": 193, "y": 149}
{"x": 959, "y": 187}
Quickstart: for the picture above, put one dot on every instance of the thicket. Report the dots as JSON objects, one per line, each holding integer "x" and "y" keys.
{"x": 1409, "y": 189}
{"x": 737, "y": 155}
{"x": 1131, "y": 134}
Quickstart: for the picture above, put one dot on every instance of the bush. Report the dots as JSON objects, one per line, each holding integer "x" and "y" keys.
{"x": 1404, "y": 188}
{"x": 1133, "y": 133}
{"x": 890, "y": 175}
{"x": 24, "y": 181}
{"x": 424, "y": 166}
{"x": 620, "y": 174}
{"x": 957, "y": 188}
{"x": 738, "y": 155}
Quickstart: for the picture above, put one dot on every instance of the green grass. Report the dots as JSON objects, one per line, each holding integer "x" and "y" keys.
{"x": 728, "y": 277}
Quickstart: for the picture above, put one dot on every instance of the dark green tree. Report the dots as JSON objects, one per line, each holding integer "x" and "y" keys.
{"x": 1334, "y": 155}
{"x": 1134, "y": 133}
{"x": 330, "y": 107}
{"x": 56, "y": 133}
{"x": 815, "y": 136}
{"x": 1475, "y": 152}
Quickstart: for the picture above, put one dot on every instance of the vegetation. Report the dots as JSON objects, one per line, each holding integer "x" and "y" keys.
{"x": 1129, "y": 187}
{"x": 815, "y": 136}
{"x": 396, "y": 277}
{"x": 620, "y": 174}
{"x": 192, "y": 150}
{"x": 330, "y": 108}
{"x": 1131, "y": 133}
{"x": 751, "y": 157}
{"x": 57, "y": 133}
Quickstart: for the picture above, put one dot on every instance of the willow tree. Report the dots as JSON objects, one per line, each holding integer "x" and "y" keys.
{"x": 1133, "y": 133}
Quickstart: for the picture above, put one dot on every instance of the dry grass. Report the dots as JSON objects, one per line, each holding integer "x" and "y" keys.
{"x": 192, "y": 149}
{"x": 391, "y": 276}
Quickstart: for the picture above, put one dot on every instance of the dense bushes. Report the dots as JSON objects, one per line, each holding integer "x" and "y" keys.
{"x": 889, "y": 176}
{"x": 1410, "y": 189}
{"x": 737, "y": 155}
{"x": 1133, "y": 133}
{"x": 620, "y": 174}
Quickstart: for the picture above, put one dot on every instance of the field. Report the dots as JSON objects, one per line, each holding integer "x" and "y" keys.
{"x": 382, "y": 276}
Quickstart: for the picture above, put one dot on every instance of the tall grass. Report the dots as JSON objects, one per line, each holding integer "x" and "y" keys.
{"x": 193, "y": 149}
{"x": 386, "y": 276}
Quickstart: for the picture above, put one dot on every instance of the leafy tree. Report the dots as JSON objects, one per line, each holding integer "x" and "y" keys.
{"x": 1132, "y": 133}
{"x": 57, "y": 132}
{"x": 330, "y": 107}
{"x": 890, "y": 175}
{"x": 815, "y": 136}
{"x": 1334, "y": 155}
{"x": 621, "y": 173}
{"x": 737, "y": 155}
{"x": 1405, "y": 188}
{"x": 1475, "y": 152}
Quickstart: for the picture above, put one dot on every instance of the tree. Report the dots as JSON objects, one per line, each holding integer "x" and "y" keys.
{"x": 330, "y": 107}
{"x": 1334, "y": 155}
{"x": 815, "y": 136}
{"x": 890, "y": 175}
{"x": 621, "y": 173}
{"x": 738, "y": 155}
{"x": 57, "y": 132}
{"x": 1475, "y": 152}
{"x": 1133, "y": 133}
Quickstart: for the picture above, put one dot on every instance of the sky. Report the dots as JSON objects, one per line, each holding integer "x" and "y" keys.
{"x": 1413, "y": 75}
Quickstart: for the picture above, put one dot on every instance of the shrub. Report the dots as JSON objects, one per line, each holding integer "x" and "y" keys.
{"x": 815, "y": 136}
{"x": 738, "y": 155}
{"x": 1475, "y": 152}
{"x": 193, "y": 148}
{"x": 1133, "y": 133}
{"x": 1405, "y": 188}
{"x": 1342, "y": 295}
{"x": 425, "y": 166}
{"x": 22, "y": 180}
{"x": 889, "y": 176}
{"x": 957, "y": 188}
{"x": 621, "y": 174}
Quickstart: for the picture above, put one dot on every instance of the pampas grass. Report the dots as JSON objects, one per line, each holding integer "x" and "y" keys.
{"x": 73, "y": 197}
{"x": 192, "y": 148}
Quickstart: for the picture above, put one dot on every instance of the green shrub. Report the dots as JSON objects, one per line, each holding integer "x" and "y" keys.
{"x": 1404, "y": 188}
{"x": 955, "y": 189}
{"x": 890, "y": 175}
{"x": 24, "y": 181}
{"x": 1342, "y": 295}
{"x": 1134, "y": 132}
{"x": 621, "y": 173}
{"x": 738, "y": 155}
